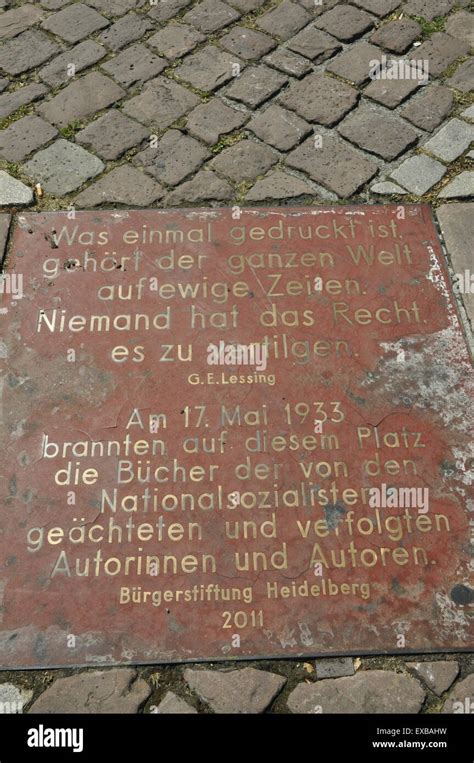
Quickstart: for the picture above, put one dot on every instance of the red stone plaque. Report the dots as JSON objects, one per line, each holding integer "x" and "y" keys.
{"x": 230, "y": 434}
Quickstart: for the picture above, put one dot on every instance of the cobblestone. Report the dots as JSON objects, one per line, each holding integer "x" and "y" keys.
{"x": 25, "y": 52}
{"x": 237, "y": 691}
{"x": 284, "y": 20}
{"x": 80, "y": 99}
{"x": 208, "y": 69}
{"x": 288, "y": 62}
{"x": 11, "y": 102}
{"x": 176, "y": 40}
{"x": 244, "y": 161}
{"x": 319, "y": 98}
{"x": 112, "y": 134}
{"x": 452, "y": 140}
{"x": 63, "y": 167}
{"x": 277, "y": 185}
{"x": 19, "y": 19}
{"x": 124, "y": 185}
{"x": 175, "y": 157}
{"x": 354, "y": 64}
{"x": 24, "y": 136}
{"x": 256, "y": 85}
{"x": 438, "y": 676}
{"x": 314, "y": 44}
{"x": 83, "y": 55}
{"x": 462, "y": 187}
{"x": 136, "y": 64}
{"x": 211, "y": 15}
{"x": 128, "y": 29}
{"x": 379, "y": 132}
{"x": 13, "y": 192}
{"x": 75, "y": 22}
{"x": 428, "y": 109}
{"x": 419, "y": 173}
{"x": 209, "y": 121}
{"x": 440, "y": 51}
{"x": 162, "y": 102}
{"x": 398, "y": 35}
{"x": 279, "y": 127}
{"x": 205, "y": 186}
{"x": 345, "y": 22}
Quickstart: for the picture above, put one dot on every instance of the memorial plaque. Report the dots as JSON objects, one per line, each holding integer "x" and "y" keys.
{"x": 232, "y": 434}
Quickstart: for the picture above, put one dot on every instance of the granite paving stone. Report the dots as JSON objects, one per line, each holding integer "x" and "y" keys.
{"x": 379, "y": 132}
{"x": 167, "y": 9}
{"x": 379, "y": 7}
{"x": 19, "y": 19}
{"x": 246, "y": 6}
{"x": 24, "y": 136}
{"x": 280, "y": 128}
{"x": 82, "y": 55}
{"x": 461, "y": 26}
{"x": 175, "y": 40}
{"x": 463, "y": 78}
{"x": 30, "y": 49}
{"x": 124, "y": 185}
{"x": 112, "y": 134}
{"x": 205, "y": 186}
{"x": 284, "y": 20}
{"x": 345, "y": 22}
{"x": 175, "y": 157}
{"x": 127, "y": 29}
{"x": 245, "y": 160}
{"x": 256, "y": 85}
{"x": 238, "y": 691}
{"x": 62, "y": 167}
{"x": 211, "y": 15}
{"x": 288, "y": 62}
{"x": 106, "y": 691}
{"x": 468, "y": 113}
{"x": 171, "y": 704}
{"x": 452, "y": 140}
{"x": 429, "y": 9}
{"x": 391, "y": 93}
{"x": 208, "y": 68}
{"x": 278, "y": 185}
{"x": 4, "y": 83}
{"x": 369, "y": 691}
{"x": 462, "y": 187}
{"x": 441, "y": 50}
{"x": 161, "y": 103}
{"x": 398, "y": 35}
{"x": 75, "y": 22}
{"x": 247, "y": 43}
{"x": 354, "y": 63}
{"x": 14, "y": 193}
{"x": 460, "y": 698}
{"x": 11, "y": 102}
{"x": 117, "y": 7}
{"x": 387, "y": 188}
{"x": 320, "y": 98}
{"x": 315, "y": 44}
{"x": 335, "y": 667}
{"x": 135, "y": 65}
{"x": 337, "y": 166}
{"x": 210, "y": 120}
{"x": 80, "y": 99}
{"x": 428, "y": 108}
{"x": 457, "y": 226}
{"x": 419, "y": 173}
{"x": 438, "y": 676}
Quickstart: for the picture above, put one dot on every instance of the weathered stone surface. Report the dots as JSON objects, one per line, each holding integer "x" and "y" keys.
{"x": 391, "y": 92}
{"x": 284, "y": 20}
{"x": 54, "y": 5}
{"x": 245, "y": 6}
{"x": 210, "y": 120}
{"x": 162, "y": 102}
{"x": 3, "y": 84}
{"x": 207, "y": 69}
{"x": 314, "y": 44}
{"x": 278, "y": 185}
{"x": 288, "y": 62}
{"x": 80, "y": 99}
{"x": 136, "y": 64}
{"x": 125, "y": 185}
{"x": 28, "y": 50}
{"x": 204, "y": 186}
{"x": 451, "y": 141}
{"x": 463, "y": 78}
{"x": 11, "y": 696}
{"x": 175, "y": 157}
{"x": 82, "y": 55}
{"x": 354, "y": 63}
{"x": 369, "y": 691}
{"x": 462, "y": 187}
{"x": 319, "y": 98}
{"x": 11, "y": 102}
{"x": 379, "y": 7}
{"x": 441, "y": 50}
{"x": 111, "y": 691}
{"x": 211, "y": 15}
{"x": 5, "y": 220}
{"x": 75, "y": 22}
{"x": 461, "y": 698}
{"x": 244, "y": 161}
{"x": 336, "y": 166}
{"x": 398, "y": 35}
{"x": 19, "y": 19}
{"x": 418, "y": 174}
{"x": 468, "y": 113}
{"x": 429, "y": 9}
{"x": 457, "y": 226}
{"x": 167, "y": 9}
{"x": 116, "y": 7}
{"x": 279, "y": 127}
{"x": 24, "y": 136}
{"x": 438, "y": 676}
{"x": 127, "y": 29}
{"x": 345, "y": 22}
{"x": 247, "y": 43}
{"x": 335, "y": 667}
{"x": 388, "y": 189}
{"x": 112, "y": 134}
{"x": 13, "y": 193}
{"x": 62, "y": 167}
{"x": 256, "y": 85}
{"x": 237, "y": 691}
{"x": 383, "y": 134}
{"x": 176, "y": 40}
{"x": 171, "y": 704}
{"x": 461, "y": 26}
{"x": 428, "y": 109}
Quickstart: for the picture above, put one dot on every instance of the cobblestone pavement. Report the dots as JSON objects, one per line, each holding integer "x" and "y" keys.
{"x": 139, "y": 103}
